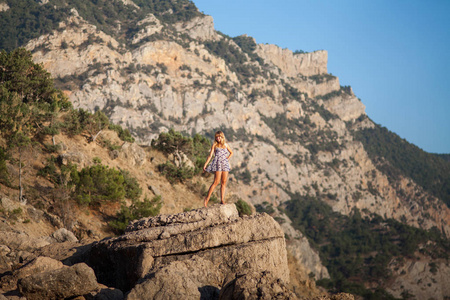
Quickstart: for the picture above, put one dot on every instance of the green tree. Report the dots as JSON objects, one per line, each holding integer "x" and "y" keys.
{"x": 27, "y": 94}
{"x": 4, "y": 174}
{"x": 98, "y": 183}
{"x": 137, "y": 210}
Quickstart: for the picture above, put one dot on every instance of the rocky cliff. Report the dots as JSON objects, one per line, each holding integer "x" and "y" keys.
{"x": 289, "y": 122}
{"x": 201, "y": 254}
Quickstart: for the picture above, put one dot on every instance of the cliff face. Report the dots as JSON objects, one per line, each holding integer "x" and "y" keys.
{"x": 290, "y": 123}
{"x": 212, "y": 245}
{"x": 205, "y": 253}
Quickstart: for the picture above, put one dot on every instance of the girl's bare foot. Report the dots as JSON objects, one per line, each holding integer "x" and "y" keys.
{"x": 205, "y": 203}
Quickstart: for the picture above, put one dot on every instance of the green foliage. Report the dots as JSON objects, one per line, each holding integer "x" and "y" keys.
{"x": 28, "y": 19}
{"x": 124, "y": 134}
{"x": 25, "y": 20}
{"x": 82, "y": 121}
{"x": 354, "y": 248}
{"x": 97, "y": 184}
{"x": 243, "y": 208}
{"x": 175, "y": 174}
{"x": 132, "y": 187}
{"x": 396, "y": 156}
{"x": 50, "y": 170}
{"x": 245, "y": 176}
{"x": 248, "y": 45}
{"x": 235, "y": 59}
{"x": 4, "y": 174}
{"x": 137, "y": 210}
{"x": 265, "y": 207}
{"x": 76, "y": 121}
{"x": 173, "y": 142}
{"x": 27, "y": 95}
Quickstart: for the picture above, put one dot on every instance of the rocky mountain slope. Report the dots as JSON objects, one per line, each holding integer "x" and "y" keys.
{"x": 292, "y": 127}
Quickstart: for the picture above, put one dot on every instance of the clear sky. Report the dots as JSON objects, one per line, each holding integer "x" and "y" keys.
{"x": 394, "y": 54}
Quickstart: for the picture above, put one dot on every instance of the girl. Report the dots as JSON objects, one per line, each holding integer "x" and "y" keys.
{"x": 220, "y": 165}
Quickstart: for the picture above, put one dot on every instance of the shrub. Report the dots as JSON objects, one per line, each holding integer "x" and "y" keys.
{"x": 175, "y": 174}
{"x": 137, "y": 210}
{"x": 98, "y": 183}
{"x": 243, "y": 208}
{"x": 4, "y": 174}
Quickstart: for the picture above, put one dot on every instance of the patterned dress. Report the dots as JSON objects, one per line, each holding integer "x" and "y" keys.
{"x": 220, "y": 161}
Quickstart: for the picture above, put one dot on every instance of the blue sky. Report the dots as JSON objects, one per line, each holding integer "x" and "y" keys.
{"x": 394, "y": 54}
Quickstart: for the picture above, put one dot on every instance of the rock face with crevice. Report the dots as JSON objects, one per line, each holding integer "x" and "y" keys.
{"x": 208, "y": 246}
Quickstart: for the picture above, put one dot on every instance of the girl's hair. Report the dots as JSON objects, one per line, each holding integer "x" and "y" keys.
{"x": 219, "y": 133}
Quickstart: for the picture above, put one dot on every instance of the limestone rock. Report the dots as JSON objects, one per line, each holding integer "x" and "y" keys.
{"x": 133, "y": 154}
{"x": 256, "y": 285}
{"x": 201, "y": 28}
{"x": 64, "y": 235}
{"x": 73, "y": 157}
{"x": 38, "y": 265}
{"x": 307, "y": 64}
{"x": 340, "y": 296}
{"x": 22, "y": 241}
{"x": 152, "y": 26}
{"x": 105, "y": 293}
{"x": 213, "y": 240}
{"x": 347, "y": 107}
{"x": 4, "y": 6}
{"x": 418, "y": 278}
{"x": 9, "y": 205}
{"x": 189, "y": 279}
{"x": 57, "y": 284}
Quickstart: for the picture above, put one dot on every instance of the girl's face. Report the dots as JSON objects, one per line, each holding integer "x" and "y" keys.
{"x": 219, "y": 139}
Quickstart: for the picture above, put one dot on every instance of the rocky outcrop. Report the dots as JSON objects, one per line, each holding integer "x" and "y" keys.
{"x": 4, "y": 6}
{"x": 307, "y": 64}
{"x": 255, "y": 285}
{"x": 347, "y": 106}
{"x": 62, "y": 283}
{"x": 199, "y": 28}
{"x": 193, "y": 253}
{"x": 421, "y": 278}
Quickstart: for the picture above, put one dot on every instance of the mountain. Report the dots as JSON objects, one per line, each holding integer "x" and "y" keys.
{"x": 305, "y": 150}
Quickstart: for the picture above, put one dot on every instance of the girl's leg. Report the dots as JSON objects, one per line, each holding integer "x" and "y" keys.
{"x": 223, "y": 183}
{"x": 217, "y": 177}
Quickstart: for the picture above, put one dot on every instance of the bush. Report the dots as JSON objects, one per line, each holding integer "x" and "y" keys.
{"x": 173, "y": 142}
{"x": 243, "y": 208}
{"x": 135, "y": 211}
{"x": 98, "y": 183}
{"x": 175, "y": 174}
{"x": 4, "y": 174}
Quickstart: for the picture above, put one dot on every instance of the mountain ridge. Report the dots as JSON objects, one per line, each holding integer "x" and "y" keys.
{"x": 293, "y": 132}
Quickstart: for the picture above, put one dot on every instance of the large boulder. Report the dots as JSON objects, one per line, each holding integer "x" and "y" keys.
{"x": 62, "y": 283}
{"x": 193, "y": 253}
{"x": 256, "y": 285}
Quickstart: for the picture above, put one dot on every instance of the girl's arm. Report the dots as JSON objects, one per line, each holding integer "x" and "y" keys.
{"x": 209, "y": 157}
{"x": 229, "y": 150}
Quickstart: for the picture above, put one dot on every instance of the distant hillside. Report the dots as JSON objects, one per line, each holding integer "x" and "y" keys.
{"x": 444, "y": 156}
{"x": 396, "y": 156}
{"x": 304, "y": 149}
{"x": 28, "y": 19}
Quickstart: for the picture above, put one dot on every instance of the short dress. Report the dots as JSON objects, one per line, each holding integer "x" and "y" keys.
{"x": 220, "y": 161}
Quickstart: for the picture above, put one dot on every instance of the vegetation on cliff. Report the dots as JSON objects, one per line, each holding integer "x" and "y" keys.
{"x": 358, "y": 250}
{"x": 395, "y": 156}
{"x": 28, "y": 19}
{"x": 34, "y": 112}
